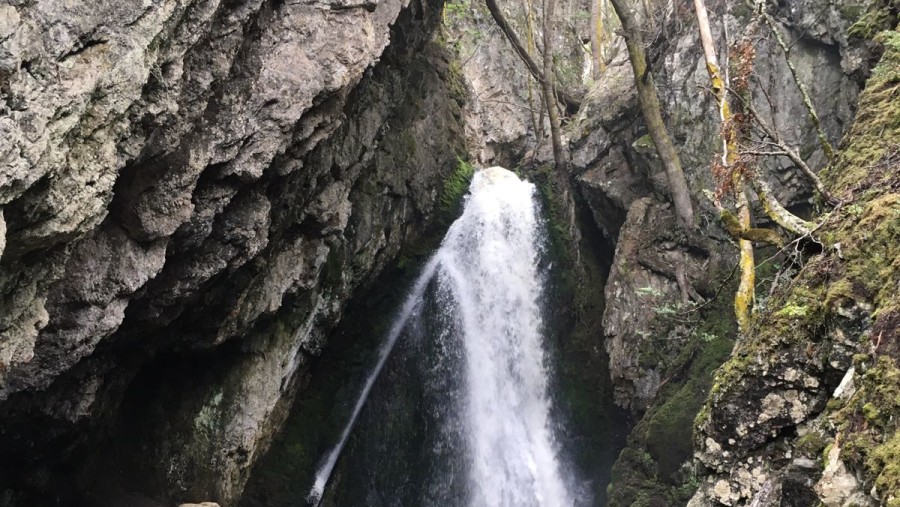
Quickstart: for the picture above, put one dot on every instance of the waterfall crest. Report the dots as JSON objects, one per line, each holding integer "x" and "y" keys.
{"x": 486, "y": 276}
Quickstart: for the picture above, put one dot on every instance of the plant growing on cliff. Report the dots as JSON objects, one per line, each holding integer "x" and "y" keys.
{"x": 455, "y": 187}
{"x": 736, "y": 171}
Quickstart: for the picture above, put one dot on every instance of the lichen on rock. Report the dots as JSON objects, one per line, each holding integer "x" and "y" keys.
{"x": 838, "y": 313}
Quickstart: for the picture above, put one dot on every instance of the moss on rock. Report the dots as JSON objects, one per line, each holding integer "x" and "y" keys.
{"x": 655, "y": 469}
{"x": 455, "y": 187}
{"x": 839, "y": 310}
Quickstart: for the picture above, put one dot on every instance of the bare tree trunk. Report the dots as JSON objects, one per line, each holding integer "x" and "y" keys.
{"x": 572, "y": 104}
{"x": 531, "y": 49}
{"x": 559, "y": 156}
{"x": 746, "y": 293}
{"x": 598, "y": 66}
{"x": 709, "y": 50}
{"x": 650, "y": 108}
{"x": 743, "y": 299}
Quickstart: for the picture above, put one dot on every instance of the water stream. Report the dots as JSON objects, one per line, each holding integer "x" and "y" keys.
{"x": 493, "y": 441}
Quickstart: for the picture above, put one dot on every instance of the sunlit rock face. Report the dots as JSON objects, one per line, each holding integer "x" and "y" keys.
{"x": 190, "y": 192}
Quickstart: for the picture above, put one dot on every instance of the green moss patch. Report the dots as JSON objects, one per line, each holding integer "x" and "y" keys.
{"x": 869, "y": 421}
{"x": 654, "y": 469}
{"x": 847, "y": 296}
{"x": 455, "y": 187}
{"x": 881, "y": 15}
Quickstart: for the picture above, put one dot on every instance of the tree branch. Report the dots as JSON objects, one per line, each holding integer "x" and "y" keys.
{"x": 795, "y": 157}
{"x": 823, "y": 140}
{"x": 572, "y": 104}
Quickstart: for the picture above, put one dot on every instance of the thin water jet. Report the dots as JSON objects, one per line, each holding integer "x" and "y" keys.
{"x": 487, "y": 273}
{"x": 415, "y": 297}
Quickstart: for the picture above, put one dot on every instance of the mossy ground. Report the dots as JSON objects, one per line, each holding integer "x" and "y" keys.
{"x": 851, "y": 291}
{"x": 868, "y": 422}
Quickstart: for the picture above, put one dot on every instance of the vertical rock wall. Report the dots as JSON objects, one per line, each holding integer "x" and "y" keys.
{"x": 191, "y": 192}
{"x": 662, "y": 352}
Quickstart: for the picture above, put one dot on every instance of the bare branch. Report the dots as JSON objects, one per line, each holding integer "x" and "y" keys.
{"x": 555, "y": 137}
{"x": 823, "y": 140}
{"x": 572, "y": 104}
{"x": 776, "y": 211}
{"x": 790, "y": 153}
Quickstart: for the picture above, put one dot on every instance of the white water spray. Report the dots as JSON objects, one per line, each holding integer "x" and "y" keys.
{"x": 488, "y": 266}
{"x": 415, "y": 297}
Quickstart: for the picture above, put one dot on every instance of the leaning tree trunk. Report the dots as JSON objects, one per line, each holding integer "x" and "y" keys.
{"x": 598, "y": 65}
{"x": 650, "y": 108}
{"x": 559, "y": 156}
{"x": 572, "y": 104}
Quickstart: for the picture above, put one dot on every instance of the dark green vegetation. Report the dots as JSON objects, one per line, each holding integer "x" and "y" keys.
{"x": 869, "y": 275}
{"x": 654, "y": 469}
{"x": 455, "y": 188}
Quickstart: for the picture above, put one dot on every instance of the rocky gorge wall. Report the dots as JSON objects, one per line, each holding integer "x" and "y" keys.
{"x": 662, "y": 350}
{"x": 805, "y": 411}
{"x": 191, "y": 192}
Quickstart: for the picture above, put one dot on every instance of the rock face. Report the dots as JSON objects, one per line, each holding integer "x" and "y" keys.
{"x": 816, "y": 378}
{"x": 191, "y": 191}
{"x": 658, "y": 345}
{"x": 618, "y": 169}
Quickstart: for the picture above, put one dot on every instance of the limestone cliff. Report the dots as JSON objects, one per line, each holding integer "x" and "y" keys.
{"x": 191, "y": 191}
{"x": 617, "y": 166}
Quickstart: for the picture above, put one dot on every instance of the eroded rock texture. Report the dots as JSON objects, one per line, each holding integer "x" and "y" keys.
{"x": 505, "y": 118}
{"x": 806, "y": 409}
{"x": 191, "y": 191}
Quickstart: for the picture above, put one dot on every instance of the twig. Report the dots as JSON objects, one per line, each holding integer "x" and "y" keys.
{"x": 795, "y": 157}
{"x": 823, "y": 140}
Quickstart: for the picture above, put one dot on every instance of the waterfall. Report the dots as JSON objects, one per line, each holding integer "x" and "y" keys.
{"x": 486, "y": 276}
{"x": 414, "y": 299}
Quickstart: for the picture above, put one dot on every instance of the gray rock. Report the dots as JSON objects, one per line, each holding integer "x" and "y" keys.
{"x": 191, "y": 192}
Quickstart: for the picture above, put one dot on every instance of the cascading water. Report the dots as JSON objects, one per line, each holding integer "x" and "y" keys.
{"x": 485, "y": 285}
